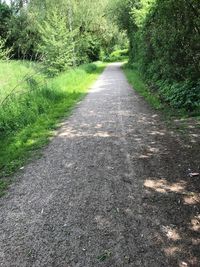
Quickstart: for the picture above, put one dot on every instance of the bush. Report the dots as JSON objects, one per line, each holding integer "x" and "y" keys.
{"x": 118, "y": 55}
{"x": 90, "y": 68}
{"x": 183, "y": 95}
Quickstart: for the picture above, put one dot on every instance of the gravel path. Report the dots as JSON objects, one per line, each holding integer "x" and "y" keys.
{"x": 111, "y": 190}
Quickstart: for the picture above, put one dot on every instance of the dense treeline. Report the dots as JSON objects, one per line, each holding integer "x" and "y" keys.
{"x": 164, "y": 40}
{"x": 61, "y": 33}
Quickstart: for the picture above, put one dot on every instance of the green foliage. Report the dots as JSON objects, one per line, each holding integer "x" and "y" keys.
{"x": 184, "y": 95}
{"x": 119, "y": 55}
{"x": 4, "y": 52}
{"x": 21, "y": 33}
{"x": 5, "y": 16}
{"x": 84, "y": 26}
{"x": 164, "y": 40}
{"x": 56, "y": 43}
{"x": 165, "y": 48}
{"x": 14, "y": 74}
{"x": 171, "y": 55}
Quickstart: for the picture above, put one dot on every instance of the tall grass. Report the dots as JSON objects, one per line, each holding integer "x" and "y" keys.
{"x": 15, "y": 73}
{"x": 28, "y": 117}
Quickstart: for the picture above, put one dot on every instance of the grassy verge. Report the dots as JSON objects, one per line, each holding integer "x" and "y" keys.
{"x": 134, "y": 78}
{"x": 13, "y": 73}
{"x": 177, "y": 119}
{"x": 28, "y": 119}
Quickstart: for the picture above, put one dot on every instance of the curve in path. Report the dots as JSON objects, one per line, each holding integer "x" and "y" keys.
{"x": 109, "y": 190}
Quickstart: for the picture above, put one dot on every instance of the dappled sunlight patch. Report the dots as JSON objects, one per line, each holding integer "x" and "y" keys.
{"x": 125, "y": 113}
{"x": 149, "y": 152}
{"x": 153, "y": 149}
{"x": 145, "y": 120}
{"x": 178, "y": 235}
{"x": 183, "y": 264}
{"x": 102, "y": 134}
{"x": 192, "y": 199}
{"x": 154, "y": 116}
{"x": 172, "y": 251}
{"x": 186, "y": 261}
{"x": 162, "y": 133}
{"x": 193, "y": 141}
{"x": 98, "y": 126}
{"x": 194, "y": 135}
{"x": 195, "y": 224}
{"x": 193, "y": 261}
{"x": 196, "y": 241}
{"x": 171, "y": 233}
{"x": 72, "y": 133}
{"x": 163, "y": 186}
{"x": 194, "y": 138}
{"x": 98, "y": 89}
{"x": 145, "y": 156}
{"x": 191, "y": 127}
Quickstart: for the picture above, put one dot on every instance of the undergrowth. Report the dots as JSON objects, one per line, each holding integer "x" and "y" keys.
{"x": 173, "y": 101}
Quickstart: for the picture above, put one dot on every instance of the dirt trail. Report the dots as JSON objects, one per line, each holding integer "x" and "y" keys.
{"x": 111, "y": 190}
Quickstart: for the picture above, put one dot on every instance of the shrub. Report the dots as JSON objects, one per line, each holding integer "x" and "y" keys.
{"x": 90, "y": 68}
{"x": 184, "y": 95}
{"x": 118, "y": 55}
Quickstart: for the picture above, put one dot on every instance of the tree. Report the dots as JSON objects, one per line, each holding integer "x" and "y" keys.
{"x": 5, "y": 17}
{"x": 56, "y": 43}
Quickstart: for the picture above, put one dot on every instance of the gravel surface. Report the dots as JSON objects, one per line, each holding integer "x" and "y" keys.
{"x": 111, "y": 189}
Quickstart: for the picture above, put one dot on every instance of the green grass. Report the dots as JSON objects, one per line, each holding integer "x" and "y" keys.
{"x": 134, "y": 78}
{"x": 27, "y": 120}
{"x": 14, "y": 73}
